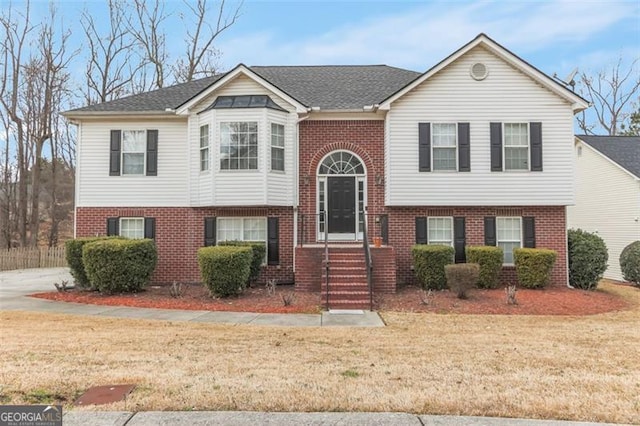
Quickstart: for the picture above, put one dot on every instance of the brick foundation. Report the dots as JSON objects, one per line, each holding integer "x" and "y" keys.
{"x": 180, "y": 233}
{"x": 550, "y": 224}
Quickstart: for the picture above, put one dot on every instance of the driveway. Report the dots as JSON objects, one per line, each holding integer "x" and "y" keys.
{"x": 15, "y": 284}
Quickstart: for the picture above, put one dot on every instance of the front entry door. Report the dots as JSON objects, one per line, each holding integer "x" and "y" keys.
{"x": 342, "y": 205}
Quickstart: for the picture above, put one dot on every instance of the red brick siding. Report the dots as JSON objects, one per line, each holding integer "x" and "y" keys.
{"x": 180, "y": 233}
{"x": 550, "y": 225}
{"x": 364, "y": 138}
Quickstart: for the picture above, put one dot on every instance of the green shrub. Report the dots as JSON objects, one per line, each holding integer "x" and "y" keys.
{"x": 429, "y": 262}
{"x": 490, "y": 260}
{"x": 587, "y": 259}
{"x": 533, "y": 266}
{"x": 225, "y": 270}
{"x": 259, "y": 252}
{"x": 630, "y": 263}
{"x": 73, "y": 253}
{"x": 119, "y": 265}
{"x": 462, "y": 277}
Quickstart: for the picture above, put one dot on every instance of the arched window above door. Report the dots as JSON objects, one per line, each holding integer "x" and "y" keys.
{"x": 341, "y": 163}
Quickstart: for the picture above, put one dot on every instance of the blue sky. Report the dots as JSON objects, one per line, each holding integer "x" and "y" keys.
{"x": 554, "y": 35}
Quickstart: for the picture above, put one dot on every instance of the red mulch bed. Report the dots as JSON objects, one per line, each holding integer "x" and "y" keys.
{"x": 550, "y": 301}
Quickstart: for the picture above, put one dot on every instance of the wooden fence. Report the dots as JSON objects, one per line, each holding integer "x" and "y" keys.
{"x": 32, "y": 257}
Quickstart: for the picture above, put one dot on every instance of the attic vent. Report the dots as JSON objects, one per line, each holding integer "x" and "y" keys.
{"x": 479, "y": 71}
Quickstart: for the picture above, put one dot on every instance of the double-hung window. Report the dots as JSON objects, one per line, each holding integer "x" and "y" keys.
{"x": 204, "y": 148}
{"x": 516, "y": 146}
{"x": 440, "y": 231}
{"x": 444, "y": 146}
{"x": 132, "y": 227}
{"x": 509, "y": 236}
{"x": 239, "y": 146}
{"x": 277, "y": 147}
{"x": 134, "y": 147}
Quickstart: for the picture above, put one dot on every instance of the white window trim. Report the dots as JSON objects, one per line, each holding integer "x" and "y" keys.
{"x": 266, "y": 232}
{"x": 504, "y": 148}
{"x": 433, "y": 169}
{"x": 130, "y": 218}
{"x": 207, "y": 147}
{"x": 283, "y": 148}
{"x": 450, "y": 218}
{"x": 258, "y": 123}
{"x": 122, "y": 152}
{"x": 498, "y": 240}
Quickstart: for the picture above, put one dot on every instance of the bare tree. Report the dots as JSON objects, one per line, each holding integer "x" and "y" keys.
{"x": 611, "y": 93}
{"x": 147, "y": 29}
{"x": 113, "y": 63}
{"x": 201, "y": 56}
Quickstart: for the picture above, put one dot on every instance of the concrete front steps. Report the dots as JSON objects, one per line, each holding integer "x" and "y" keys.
{"x": 348, "y": 287}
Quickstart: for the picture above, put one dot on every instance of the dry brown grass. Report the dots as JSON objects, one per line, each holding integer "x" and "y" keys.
{"x": 579, "y": 368}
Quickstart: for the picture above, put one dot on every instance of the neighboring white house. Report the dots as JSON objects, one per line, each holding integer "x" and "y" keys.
{"x": 608, "y": 192}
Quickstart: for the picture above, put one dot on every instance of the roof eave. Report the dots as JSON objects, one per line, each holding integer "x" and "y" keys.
{"x": 120, "y": 113}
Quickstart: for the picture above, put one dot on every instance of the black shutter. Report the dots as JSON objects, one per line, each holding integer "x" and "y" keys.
{"x": 421, "y": 230}
{"x": 529, "y": 232}
{"x": 150, "y": 227}
{"x": 209, "y": 231}
{"x": 152, "y": 152}
{"x": 384, "y": 228}
{"x": 495, "y": 130}
{"x": 424, "y": 147}
{"x": 459, "y": 239}
{"x": 114, "y": 153}
{"x": 273, "y": 241}
{"x": 464, "y": 148}
{"x": 490, "y": 231}
{"x": 536, "y": 146}
{"x": 112, "y": 226}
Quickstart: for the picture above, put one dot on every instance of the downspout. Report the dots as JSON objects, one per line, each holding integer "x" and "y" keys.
{"x": 296, "y": 183}
{"x": 76, "y": 196}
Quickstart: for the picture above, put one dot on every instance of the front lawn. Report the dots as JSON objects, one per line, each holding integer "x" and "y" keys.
{"x": 549, "y": 367}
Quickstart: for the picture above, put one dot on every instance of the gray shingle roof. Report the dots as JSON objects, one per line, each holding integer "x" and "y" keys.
{"x": 623, "y": 150}
{"x": 327, "y": 87}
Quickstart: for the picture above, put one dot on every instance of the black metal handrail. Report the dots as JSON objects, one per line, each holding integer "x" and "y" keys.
{"x": 367, "y": 257}
{"x": 326, "y": 259}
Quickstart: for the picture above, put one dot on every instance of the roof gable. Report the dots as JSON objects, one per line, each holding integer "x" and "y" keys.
{"x": 578, "y": 103}
{"x": 624, "y": 151}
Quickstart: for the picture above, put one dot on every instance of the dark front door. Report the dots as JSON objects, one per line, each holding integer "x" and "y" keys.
{"x": 342, "y": 205}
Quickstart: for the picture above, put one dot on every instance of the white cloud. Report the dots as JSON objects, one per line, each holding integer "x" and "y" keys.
{"x": 422, "y": 36}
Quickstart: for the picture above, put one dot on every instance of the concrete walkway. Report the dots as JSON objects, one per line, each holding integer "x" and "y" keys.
{"x": 15, "y": 286}
{"x": 242, "y": 418}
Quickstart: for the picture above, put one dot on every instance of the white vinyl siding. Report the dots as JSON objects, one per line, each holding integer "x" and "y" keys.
{"x": 132, "y": 227}
{"x": 453, "y": 96}
{"x": 134, "y": 149}
{"x": 444, "y": 143}
{"x": 440, "y": 231}
{"x": 516, "y": 146}
{"x": 170, "y": 188}
{"x": 204, "y": 148}
{"x": 508, "y": 236}
{"x": 607, "y": 203}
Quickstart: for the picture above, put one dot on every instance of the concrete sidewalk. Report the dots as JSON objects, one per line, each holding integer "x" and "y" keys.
{"x": 15, "y": 286}
{"x": 242, "y": 418}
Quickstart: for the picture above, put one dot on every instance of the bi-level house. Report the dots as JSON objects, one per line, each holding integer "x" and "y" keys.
{"x": 477, "y": 150}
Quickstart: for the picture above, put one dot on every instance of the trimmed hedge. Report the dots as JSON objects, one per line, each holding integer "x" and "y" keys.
{"x": 225, "y": 270}
{"x": 533, "y": 266}
{"x": 119, "y": 265}
{"x": 630, "y": 263}
{"x": 429, "y": 262}
{"x": 73, "y": 253}
{"x": 587, "y": 259}
{"x": 490, "y": 260}
{"x": 259, "y": 252}
{"x": 462, "y": 277}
